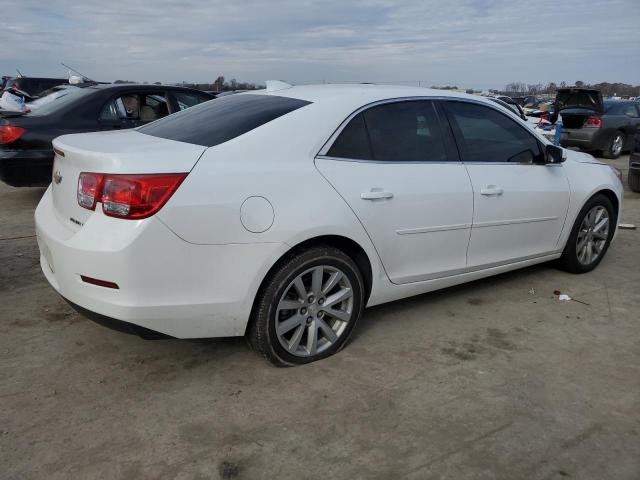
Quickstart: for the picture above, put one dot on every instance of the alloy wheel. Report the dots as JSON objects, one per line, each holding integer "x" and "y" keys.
{"x": 314, "y": 311}
{"x": 616, "y": 147}
{"x": 593, "y": 235}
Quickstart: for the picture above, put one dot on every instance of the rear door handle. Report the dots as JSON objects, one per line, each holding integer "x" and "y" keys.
{"x": 491, "y": 190}
{"x": 375, "y": 194}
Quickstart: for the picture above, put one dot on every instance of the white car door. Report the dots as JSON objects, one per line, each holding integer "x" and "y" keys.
{"x": 398, "y": 170}
{"x": 520, "y": 203}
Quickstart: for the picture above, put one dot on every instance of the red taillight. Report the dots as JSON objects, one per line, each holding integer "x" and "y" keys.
{"x": 89, "y": 188}
{"x": 127, "y": 196}
{"x": 10, "y": 133}
{"x": 593, "y": 122}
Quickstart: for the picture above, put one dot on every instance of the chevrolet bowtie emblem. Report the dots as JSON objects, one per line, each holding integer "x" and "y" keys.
{"x": 57, "y": 177}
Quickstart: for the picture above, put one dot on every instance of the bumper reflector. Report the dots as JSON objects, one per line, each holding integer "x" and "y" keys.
{"x": 100, "y": 283}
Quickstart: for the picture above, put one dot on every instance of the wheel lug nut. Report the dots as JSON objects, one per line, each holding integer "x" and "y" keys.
{"x": 311, "y": 299}
{"x": 320, "y": 314}
{"x": 321, "y": 301}
{"x": 309, "y": 320}
{"x": 303, "y": 310}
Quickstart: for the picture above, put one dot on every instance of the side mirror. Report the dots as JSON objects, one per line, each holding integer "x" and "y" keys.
{"x": 553, "y": 154}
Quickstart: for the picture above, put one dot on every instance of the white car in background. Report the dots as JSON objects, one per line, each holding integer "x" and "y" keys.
{"x": 281, "y": 214}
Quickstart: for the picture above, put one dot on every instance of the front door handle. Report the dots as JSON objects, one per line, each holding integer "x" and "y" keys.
{"x": 375, "y": 194}
{"x": 491, "y": 190}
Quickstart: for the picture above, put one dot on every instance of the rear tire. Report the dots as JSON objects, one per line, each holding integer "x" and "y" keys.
{"x": 589, "y": 242}
{"x": 615, "y": 146}
{"x": 634, "y": 181}
{"x": 308, "y": 307}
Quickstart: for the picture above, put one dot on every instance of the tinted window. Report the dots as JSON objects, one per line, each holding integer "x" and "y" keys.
{"x": 73, "y": 95}
{"x": 629, "y": 110}
{"x": 503, "y": 103}
{"x": 188, "y": 99}
{"x": 353, "y": 141}
{"x": 145, "y": 107}
{"x": 27, "y": 85}
{"x": 405, "y": 131}
{"x": 617, "y": 107}
{"x": 486, "y": 135}
{"x": 220, "y": 120}
{"x": 50, "y": 95}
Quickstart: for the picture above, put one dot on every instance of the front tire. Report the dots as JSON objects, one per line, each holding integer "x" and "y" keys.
{"x": 308, "y": 307}
{"x": 590, "y": 236}
{"x": 615, "y": 146}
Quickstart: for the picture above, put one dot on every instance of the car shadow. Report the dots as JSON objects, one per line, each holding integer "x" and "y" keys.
{"x": 471, "y": 293}
{"x": 28, "y": 196}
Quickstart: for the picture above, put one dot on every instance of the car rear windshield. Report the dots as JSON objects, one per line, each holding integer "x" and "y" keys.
{"x": 69, "y": 96}
{"x": 217, "y": 121}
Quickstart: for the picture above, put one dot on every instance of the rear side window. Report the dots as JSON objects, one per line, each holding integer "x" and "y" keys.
{"x": 485, "y": 135}
{"x": 629, "y": 110}
{"x": 188, "y": 99}
{"x": 404, "y": 132}
{"x": 353, "y": 141}
{"x": 142, "y": 107}
{"x": 218, "y": 121}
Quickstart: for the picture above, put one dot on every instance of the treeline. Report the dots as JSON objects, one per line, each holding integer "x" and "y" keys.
{"x": 222, "y": 85}
{"x": 607, "y": 89}
{"x": 219, "y": 85}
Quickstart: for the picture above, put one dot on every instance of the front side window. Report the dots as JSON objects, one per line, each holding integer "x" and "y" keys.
{"x": 486, "y": 135}
{"x": 407, "y": 131}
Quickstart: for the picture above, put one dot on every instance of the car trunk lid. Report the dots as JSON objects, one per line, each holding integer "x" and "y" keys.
{"x": 128, "y": 152}
{"x": 575, "y": 97}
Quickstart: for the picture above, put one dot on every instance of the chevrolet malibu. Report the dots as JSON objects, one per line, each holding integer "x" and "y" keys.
{"x": 281, "y": 214}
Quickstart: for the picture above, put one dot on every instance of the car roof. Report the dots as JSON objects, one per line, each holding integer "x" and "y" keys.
{"x": 356, "y": 95}
{"x": 136, "y": 86}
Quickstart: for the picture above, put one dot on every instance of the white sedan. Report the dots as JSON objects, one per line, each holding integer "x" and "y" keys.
{"x": 281, "y": 214}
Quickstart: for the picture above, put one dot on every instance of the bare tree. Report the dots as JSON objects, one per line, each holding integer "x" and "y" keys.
{"x": 218, "y": 85}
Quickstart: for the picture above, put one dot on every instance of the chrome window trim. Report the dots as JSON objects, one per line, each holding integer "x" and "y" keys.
{"x": 389, "y": 162}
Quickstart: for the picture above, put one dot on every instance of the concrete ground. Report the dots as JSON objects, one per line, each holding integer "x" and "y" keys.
{"x": 491, "y": 380}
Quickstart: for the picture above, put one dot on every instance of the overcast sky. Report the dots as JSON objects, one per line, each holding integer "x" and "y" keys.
{"x": 473, "y": 43}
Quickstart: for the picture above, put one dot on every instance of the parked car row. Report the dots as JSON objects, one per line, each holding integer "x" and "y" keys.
{"x": 32, "y": 86}
{"x": 606, "y": 127}
{"x": 26, "y": 152}
{"x": 281, "y": 214}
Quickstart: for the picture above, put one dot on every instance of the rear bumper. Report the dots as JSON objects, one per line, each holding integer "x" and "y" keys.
{"x": 166, "y": 285}
{"x": 26, "y": 168}
{"x": 585, "y": 138}
{"x": 118, "y": 325}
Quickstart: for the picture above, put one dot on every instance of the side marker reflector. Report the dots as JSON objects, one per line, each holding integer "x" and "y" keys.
{"x": 100, "y": 283}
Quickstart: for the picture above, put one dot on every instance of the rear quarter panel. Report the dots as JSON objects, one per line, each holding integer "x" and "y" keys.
{"x": 275, "y": 162}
